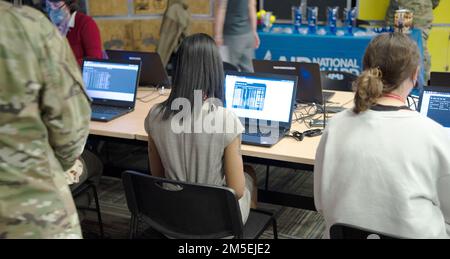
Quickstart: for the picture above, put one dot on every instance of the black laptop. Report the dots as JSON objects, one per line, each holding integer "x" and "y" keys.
{"x": 263, "y": 102}
{"x": 152, "y": 68}
{"x": 112, "y": 85}
{"x": 440, "y": 79}
{"x": 435, "y": 104}
{"x": 309, "y": 89}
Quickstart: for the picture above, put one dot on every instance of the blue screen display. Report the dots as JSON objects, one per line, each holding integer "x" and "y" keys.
{"x": 439, "y": 110}
{"x": 110, "y": 77}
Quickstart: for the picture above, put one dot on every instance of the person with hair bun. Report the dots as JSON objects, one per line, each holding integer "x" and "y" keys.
{"x": 80, "y": 29}
{"x": 380, "y": 165}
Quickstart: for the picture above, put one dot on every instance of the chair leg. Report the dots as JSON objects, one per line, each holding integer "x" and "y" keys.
{"x": 99, "y": 215}
{"x": 274, "y": 228}
{"x": 266, "y": 186}
{"x": 133, "y": 226}
{"x": 130, "y": 235}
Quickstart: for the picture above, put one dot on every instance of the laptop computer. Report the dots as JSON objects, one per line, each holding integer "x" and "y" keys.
{"x": 112, "y": 85}
{"x": 309, "y": 89}
{"x": 263, "y": 102}
{"x": 440, "y": 79}
{"x": 152, "y": 68}
{"x": 435, "y": 104}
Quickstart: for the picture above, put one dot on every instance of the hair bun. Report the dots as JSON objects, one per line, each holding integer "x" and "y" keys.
{"x": 376, "y": 72}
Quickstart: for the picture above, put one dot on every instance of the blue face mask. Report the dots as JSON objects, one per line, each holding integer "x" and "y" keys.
{"x": 57, "y": 16}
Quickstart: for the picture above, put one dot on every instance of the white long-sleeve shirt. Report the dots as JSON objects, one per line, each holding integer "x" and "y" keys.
{"x": 386, "y": 171}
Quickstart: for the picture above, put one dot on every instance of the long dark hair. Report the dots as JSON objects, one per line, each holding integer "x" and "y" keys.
{"x": 198, "y": 67}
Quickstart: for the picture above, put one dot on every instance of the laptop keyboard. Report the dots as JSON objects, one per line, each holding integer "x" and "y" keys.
{"x": 98, "y": 109}
{"x": 258, "y": 134}
{"x": 264, "y": 133}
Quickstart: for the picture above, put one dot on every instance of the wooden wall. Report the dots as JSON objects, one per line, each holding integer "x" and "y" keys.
{"x": 135, "y": 24}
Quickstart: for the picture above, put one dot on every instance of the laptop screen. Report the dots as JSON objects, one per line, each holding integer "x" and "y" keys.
{"x": 260, "y": 97}
{"x": 154, "y": 73}
{"x": 113, "y": 81}
{"x": 435, "y": 104}
{"x": 440, "y": 79}
{"x": 309, "y": 82}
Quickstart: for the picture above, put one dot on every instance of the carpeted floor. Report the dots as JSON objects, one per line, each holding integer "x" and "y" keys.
{"x": 292, "y": 223}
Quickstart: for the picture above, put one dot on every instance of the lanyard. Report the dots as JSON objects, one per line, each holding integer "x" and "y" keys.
{"x": 394, "y": 96}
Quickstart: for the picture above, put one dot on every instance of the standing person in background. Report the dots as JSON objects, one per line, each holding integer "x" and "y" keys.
{"x": 81, "y": 30}
{"x": 235, "y": 28}
{"x": 44, "y": 124}
{"x": 423, "y": 20}
{"x": 174, "y": 29}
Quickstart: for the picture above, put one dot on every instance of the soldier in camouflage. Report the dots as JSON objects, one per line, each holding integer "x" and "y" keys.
{"x": 423, "y": 20}
{"x": 44, "y": 120}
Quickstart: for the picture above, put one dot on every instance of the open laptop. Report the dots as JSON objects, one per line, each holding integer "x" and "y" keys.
{"x": 435, "y": 104}
{"x": 112, "y": 85}
{"x": 440, "y": 79}
{"x": 309, "y": 89}
{"x": 152, "y": 68}
{"x": 263, "y": 102}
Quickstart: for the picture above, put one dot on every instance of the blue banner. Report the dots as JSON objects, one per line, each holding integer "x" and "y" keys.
{"x": 331, "y": 52}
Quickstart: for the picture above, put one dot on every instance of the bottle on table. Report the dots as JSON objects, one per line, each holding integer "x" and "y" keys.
{"x": 313, "y": 12}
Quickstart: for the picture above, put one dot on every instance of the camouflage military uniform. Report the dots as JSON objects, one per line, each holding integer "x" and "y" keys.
{"x": 423, "y": 19}
{"x": 44, "y": 118}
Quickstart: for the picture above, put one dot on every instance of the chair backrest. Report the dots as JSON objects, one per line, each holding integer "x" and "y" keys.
{"x": 229, "y": 67}
{"x": 344, "y": 231}
{"x": 338, "y": 81}
{"x": 183, "y": 210}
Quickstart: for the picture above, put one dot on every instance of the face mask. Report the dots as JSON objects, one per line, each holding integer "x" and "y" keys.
{"x": 57, "y": 16}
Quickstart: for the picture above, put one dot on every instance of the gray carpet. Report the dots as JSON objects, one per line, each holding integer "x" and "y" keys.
{"x": 292, "y": 223}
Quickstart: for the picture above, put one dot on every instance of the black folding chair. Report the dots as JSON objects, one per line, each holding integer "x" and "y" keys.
{"x": 343, "y": 231}
{"x": 190, "y": 211}
{"x": 337, "y": 81}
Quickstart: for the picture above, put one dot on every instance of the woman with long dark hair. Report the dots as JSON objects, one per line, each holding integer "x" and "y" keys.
{"x": 201, "y": 142}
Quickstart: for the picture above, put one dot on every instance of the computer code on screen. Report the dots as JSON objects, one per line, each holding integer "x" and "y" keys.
{"x": 249, "y": 96}
{"x": 119, "y": 80}
{"x": 100, "y": 80}
{"x": 439, "y": 110}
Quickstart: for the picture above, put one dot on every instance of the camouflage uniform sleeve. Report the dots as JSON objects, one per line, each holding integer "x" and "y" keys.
{"x": 64, "y": 103}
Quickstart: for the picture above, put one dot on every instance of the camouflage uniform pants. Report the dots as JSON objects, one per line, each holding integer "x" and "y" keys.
{"x": 34, "y": 216}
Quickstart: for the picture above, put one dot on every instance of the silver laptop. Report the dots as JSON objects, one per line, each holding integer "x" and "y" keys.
{"x": 264, "y": 103}
{"x": 112, "y": 85}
